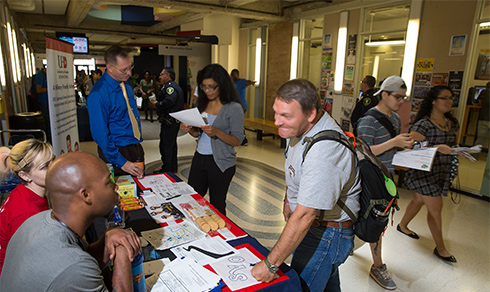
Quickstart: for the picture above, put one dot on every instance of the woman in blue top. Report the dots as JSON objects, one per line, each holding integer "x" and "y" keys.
{"x": 213, "y": 165}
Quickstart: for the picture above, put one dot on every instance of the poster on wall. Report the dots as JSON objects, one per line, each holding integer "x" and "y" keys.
{"x": 482, "y": 71}
{"x": 348, "y": 88}
{"x": 345, "y": 124}
{"x": 328, "y": 105}
{"x": 416, "y": 102}
{"x": 457, "y": 46}
{"x": 61, "y": 95}
{"x": 325, "y": 80}
{"x": 455, "y": 80}
{"x": 456, "y": 95}
{"x": 423, "y": 79}
{"x": 439, "y": 79}
{"x": 351, "y": 50}
{"x": 347, "y": 107}
{"x": 425, "y": 65}
{"x": 327, "y": 41}
{"x": 327, "y": 58}
{"x": 349, "y": 72}
{"x": 420, "y": 91}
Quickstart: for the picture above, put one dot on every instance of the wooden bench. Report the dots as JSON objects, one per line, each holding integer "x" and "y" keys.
{"x": 262, "y": 126}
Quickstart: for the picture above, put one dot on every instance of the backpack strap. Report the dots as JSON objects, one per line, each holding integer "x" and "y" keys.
{"x": 384, "y": 121}
{"x": 326, "y": 135}
{"x": 334, "y": 136}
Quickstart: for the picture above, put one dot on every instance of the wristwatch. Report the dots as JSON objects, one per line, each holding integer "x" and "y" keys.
{"x": 272, "y": 268}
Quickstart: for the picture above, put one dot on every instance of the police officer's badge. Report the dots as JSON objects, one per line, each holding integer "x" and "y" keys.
{"x": 366, "y": 101}
{"x": 170, "y": 90}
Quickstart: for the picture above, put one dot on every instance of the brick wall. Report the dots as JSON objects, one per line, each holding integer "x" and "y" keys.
{"x": 278, "y": 61}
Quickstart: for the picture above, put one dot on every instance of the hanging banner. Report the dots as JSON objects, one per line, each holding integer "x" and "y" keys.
{"x": 61, "y": 96}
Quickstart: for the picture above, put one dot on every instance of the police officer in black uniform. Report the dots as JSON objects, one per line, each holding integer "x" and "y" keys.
{"x": 367, "y": 100}
{"x": 169, "y": 99}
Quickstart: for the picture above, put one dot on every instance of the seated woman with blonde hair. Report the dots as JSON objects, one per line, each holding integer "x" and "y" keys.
{"x": 28, "y": 160}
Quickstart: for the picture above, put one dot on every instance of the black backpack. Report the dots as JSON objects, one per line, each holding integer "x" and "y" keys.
{"x": 375, "y": 199}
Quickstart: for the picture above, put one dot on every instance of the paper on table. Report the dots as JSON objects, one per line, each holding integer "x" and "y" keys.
{"x": 152, "y": 271}
{"x": 420, "y": 159}
{"x": 165, "y": 212}
{"x": 152, "y": 181}
{"x": 152, "y": 199}
{"x": 205, "y": 250}
{"x": 172, "y": 235}
{"x": 236, "y": 269}
{"x": 185, "y": 275}
{"x": 191, "y": 117}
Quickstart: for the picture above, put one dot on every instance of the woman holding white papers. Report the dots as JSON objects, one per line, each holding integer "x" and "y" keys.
{"x": 213, "y": 165}
{"x": 435, "y": 124}
{"x": 29, "y": 160}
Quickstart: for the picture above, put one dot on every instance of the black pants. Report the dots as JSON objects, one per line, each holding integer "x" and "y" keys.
{"x": 147, "y": 108}
{"x": 168, "y": 146}
{"x": 132, "y": 153}
{"x": 205, "y": 174}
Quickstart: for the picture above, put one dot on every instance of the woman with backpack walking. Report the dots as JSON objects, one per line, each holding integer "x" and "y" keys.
{"x": 435, "y": 124}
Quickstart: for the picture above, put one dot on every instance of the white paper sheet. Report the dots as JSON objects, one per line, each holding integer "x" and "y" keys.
{"x": 152, "y": 199}
{"x": 474, "y": 149}
{"x": 172, "y": 235}
{"x": 216, "y": 245}
{"x": 236, "y": 270}
{"x": 191, "y": 117}
{"x": 154, "y": 180}
{"x": 420, "y": 159}
{"x": 184, "y": 275}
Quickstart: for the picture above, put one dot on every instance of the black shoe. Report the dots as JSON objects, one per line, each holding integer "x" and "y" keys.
{"x": 161, "y": 170}
{"x": 451, "y": 259}
{"x": 411, "y": 235}
{"x": 245, "y": 142}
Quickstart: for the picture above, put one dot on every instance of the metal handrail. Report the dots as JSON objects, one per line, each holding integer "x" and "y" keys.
{"x": 26, "y": 131}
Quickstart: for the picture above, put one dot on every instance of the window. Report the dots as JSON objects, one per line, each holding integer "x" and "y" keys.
{"x": 383, "y": 41}
{"x": 310, "y": 50}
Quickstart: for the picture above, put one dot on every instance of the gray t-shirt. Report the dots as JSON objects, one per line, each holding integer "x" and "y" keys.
{"x": 43, "y": 255}
{"x": 328, "y": 173}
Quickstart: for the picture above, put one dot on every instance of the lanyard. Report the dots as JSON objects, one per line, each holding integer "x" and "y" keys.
{"x": 79, "y": 239}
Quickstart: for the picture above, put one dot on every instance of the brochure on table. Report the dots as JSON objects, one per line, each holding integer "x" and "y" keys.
{"x": 176, "y": 206}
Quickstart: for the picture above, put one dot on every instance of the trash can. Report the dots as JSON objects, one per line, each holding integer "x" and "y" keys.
{"x": 27, "y": 121}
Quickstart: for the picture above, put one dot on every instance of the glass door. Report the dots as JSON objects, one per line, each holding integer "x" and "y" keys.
{"x": 474, "y": 176}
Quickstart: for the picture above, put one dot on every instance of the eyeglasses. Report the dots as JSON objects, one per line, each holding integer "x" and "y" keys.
{"x": 204, "y": 87}
{"x": 445, "y": 97}
{"x": 399, "y": 97}
{"x": 124, "y": 71}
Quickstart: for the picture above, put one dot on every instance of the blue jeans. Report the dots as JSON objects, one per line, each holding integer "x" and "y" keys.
{"x": 319, "y": 255}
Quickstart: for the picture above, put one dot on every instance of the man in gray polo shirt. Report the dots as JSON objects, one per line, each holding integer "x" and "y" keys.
{"x": 318, "y": 231}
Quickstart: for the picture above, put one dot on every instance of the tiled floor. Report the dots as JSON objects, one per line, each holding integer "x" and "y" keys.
{"x": 255, "y": 204}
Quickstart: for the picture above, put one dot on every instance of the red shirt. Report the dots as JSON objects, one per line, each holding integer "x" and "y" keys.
{"x": 21, "y": 204}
